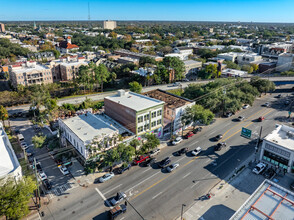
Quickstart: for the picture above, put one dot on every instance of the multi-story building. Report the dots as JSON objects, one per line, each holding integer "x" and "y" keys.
{"x": 240, "y": 58}
{"x": 174, "y": 107}
{"x": 231, "y": 56}
{"x": 138, "y": 113}
{"x": 2, "y": 27}
{"x": 69, "y": 69}
{"x": 66, "y": 46}
{"x": 29, "y": 73}
{"x": 88, "y": 135}
{"x": 278, "y": 148}
{"x": 285, "y": 62}
{"x": 192, "y": 66}
{"x": 127, "y": 53}
{"x": 275, "y": 49}
{"x": 42, "y": 56}
{"x": 9, "y": 165}
{"x": 110, "y": 25}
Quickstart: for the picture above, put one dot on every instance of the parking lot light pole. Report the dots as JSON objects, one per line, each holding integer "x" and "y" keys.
{"x": 183, "y": 205}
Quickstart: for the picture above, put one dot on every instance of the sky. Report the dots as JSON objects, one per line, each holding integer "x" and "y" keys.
{"x": 167, "y": 10}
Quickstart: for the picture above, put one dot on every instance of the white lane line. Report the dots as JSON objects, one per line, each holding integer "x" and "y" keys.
{"x": 208, "y": 161}
{"x": 180, "y": 159}
{"x": 156, "y": 195}
{"x": 146, "y": 170}
{"x": 103, "y": 197}
{"x": 212, "y": 132}
{"x": 112, "y": 189}
{"x": 142, "y": 182}
{"x": 186, "y": 175}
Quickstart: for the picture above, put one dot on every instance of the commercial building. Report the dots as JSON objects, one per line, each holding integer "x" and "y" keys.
{"x": 233, "y": 73}
{"x": 29, "y": 73}
{"x": 231, "y": 56}
{"x": 269, "y": 201}
{"x": 240, "y": 58}
{"x": 267, "y": 67}
{"x": 80, "y": 132}
{"x": 278, "y": 148}
{"x": 2, "y": 27}
{"x": 192, "y": 66}
{"x": 110, "y": 25}
{"x": 125, "y": 60}
{"x": 138, "y": 113}
{"x": 275, "y": 49}
{"x": 127, "y": 53}
{"x": 9, "y": 165}
{"x": 174, "y": 107}
{"x": 285, "y": 62}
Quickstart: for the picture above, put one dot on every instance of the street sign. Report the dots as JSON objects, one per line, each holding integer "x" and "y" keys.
{"x": 246, "y": 132}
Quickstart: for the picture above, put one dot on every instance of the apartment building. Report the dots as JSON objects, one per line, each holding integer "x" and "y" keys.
{"x": 29, "y": 73}
{"x": 127, "y": 53}
{"x": 138, "y": 113}
{"x": 2, "y": 27}
{"x": 69, "y": 68}
{"x": 240, "y": 58}
{"x": 192, "y": 66}
{"x": 285, "y": 62}
{"x": 110, "y": 25}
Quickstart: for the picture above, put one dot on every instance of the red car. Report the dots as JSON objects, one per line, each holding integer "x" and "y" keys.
{"x": 261, "y": 118}
{"x": 189, "y": 134}
{"x": 140, "y": 159}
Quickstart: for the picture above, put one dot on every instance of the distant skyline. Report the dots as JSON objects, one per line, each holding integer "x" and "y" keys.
{"x": 280, "y": 11}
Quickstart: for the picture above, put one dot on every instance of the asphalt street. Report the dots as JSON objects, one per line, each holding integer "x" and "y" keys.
{"x": 156, "y": 194}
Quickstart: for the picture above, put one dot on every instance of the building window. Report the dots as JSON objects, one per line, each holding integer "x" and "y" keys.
{"x": 159, "y": 112}
{"x": 146, "y": 127}
{"x": 153, "y": 115}
{"x": 140, "y": 129}
{"x": 153, "y": 124}
{"x": 167, "y": 112}
{"x": 159, "y": 122}
{"x": 140, "y": 119}
{"x": 146, "y": 117}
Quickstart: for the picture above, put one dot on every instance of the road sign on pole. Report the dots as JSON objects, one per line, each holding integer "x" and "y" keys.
{"x": 246, "y": 132}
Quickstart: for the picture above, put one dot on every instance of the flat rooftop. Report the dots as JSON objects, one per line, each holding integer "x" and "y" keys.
{"x": 38, "y": 67}
{"x": 73, "y": 63}
{"x": 134, "y": 101}
{"x": 283, "y": 135}
{"x": 88, "y": 126}
{"x": 269, "y": 201}
{"x": 190, "y": 62}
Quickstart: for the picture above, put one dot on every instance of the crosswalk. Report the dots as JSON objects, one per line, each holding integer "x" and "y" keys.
{"x": 59, "y": 190}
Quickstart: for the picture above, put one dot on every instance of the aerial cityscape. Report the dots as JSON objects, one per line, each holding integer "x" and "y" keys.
{"x": 163, "y": 110}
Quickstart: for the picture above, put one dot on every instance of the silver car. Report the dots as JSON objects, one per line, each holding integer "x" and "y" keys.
{"x": 172, "y": 167}
{"x": 106, "y": 177}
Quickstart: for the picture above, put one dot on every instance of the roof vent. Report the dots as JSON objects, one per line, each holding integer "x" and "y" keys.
{"x": 121, "y": 92}
{"x": 290, "y": 134}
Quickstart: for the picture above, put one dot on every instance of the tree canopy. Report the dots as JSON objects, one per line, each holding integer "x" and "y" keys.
{"x": 135, "y": 87}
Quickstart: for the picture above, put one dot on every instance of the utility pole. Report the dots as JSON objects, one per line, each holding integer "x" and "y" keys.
{"x": 258, "y": 140}
{"x": 183, "y": 205}
{"x": 37, "y": 181}
{"x": 224, "y": 100}
{"x": 135, "y": 209}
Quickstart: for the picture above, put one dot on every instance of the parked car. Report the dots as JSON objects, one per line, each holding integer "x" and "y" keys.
{"x": 240, "y": 118}
{"x": 42, "y": 175}
{"x": 279, "y": 96}
{"x": 228, "y": 114}
{"x": 196, "y": 130}
{"x": 186, "y": 80}
{"x": 140, "y": 159}
{"x": 120, "y": 196}
{"x": 287, "y": 102}
{"x": 182, "y": 151}
{"x": 164, "y": 162}
{"x": 245, "y": 106}
{"x": 117, "y": 210}
{"x": 47, "y": 184}
{"x": 172, "y": 167}
{"x": 261, "y": 118}
{"x": 189, "y": 134}
{"x": 24, "y": 145}
{"x": 269, "y": 173}
{"x": 38, "y": 166}
{"x": 149, "y": 162}
{"x": 154, "y": 152}
{"x": 196, "y": 151}
{"x": 177, "y": 141}
{"x": 123, "y": 169}
{"x": 29, "y": 152}
{"x": 219, "y": 146}
{"x": 266, "y": 104}
{"x": 259, "y": 168}
{"x": 106, "y": 177}
{"x": 177, "y": 84}
{"x": 63, "y": 170}
{"x": 218, "y": 137}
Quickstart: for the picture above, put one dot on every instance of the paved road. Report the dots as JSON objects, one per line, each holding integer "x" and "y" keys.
{"x": 158, "y": 195}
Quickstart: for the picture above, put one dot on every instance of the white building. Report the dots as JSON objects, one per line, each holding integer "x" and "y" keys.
{"x": 233, "y": 73}
{"x": 231, "y": 56}
{"x": 192, "y": 66}
{"x": 178, "y": 55}
{"x": 81, "y": 130}
{"x": 144, "y": 71}
{"x": 9, "y": 165}
{"x": 110, "y": 25}
{"x": 285, "y": 62}
{"x": 278, "y": 148}
{"x": 247, "y": 58}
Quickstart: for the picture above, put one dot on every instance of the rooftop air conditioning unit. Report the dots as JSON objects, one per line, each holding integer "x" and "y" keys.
{"x": 290, "y": 134}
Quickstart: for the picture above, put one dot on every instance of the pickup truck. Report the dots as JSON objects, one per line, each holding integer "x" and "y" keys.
{"x": 140, "y": 159}
{"x": 117, "y": 210}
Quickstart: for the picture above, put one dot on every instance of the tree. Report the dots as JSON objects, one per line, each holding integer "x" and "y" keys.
{"x": 176, "y": 64}
{"x": 112, "y": 34}
{"x": 232, "y": 65}
{"x": 38, "y": 141}
{"x": 247, "y": 68}
{"x": 101, "y": 75}
{"x": 262, "y": 85}
{"x": 3, "y": 114}
{"x": 151, "y": 142}
{"x": 146, "y": 60}
{"x": 135, "y": 87}
{"x": 126, "y": 152}
{"x": 255, "y": 67}
{"x": 14, "y": 198}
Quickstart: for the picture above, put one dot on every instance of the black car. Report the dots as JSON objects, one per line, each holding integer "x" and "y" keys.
{"x": 149, "y": 162}
{"x": 123, "y": 169}
{"x": 269, "y": 173}
{"x": 47, "y": 184}
{"x": 218, "y": 137}
{"x": 164, "y": 162}
{"x": 219, "y": 146}
{"x": 196, "y": 130}
{"x": 29, "y": 152}
{"x": 182, "y": 151}
{"x": 279, "y": 96}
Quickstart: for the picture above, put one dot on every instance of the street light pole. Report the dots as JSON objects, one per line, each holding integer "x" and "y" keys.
{"x": 183, "y": 205}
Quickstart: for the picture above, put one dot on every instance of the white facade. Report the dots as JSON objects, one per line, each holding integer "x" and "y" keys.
{"x": 231, "y": 56}
{"x": 177, "y": 122}
{"x": 110, "y": 25}
{"x": 247, "y": 58}
{"x": 233, "y": 72}
{"x": 285, "y": 62}
{"x": 278, "y": 148}
{"x": 178, "y": 55}
{"x": 9, "y": 165}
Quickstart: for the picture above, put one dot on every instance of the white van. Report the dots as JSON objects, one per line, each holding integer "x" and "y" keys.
{"x": 20, "y": 137}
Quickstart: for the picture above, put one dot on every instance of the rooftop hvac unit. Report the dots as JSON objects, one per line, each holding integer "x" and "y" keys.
{"x": 290, "y": 134}
{"x": 121, "y": 92}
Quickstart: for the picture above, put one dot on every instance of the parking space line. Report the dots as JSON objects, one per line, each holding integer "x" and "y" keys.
{"x": 146, "y": 170}
{"x": 113, "y": 189}
{"x": 103, "y": 197}
{"x": 156, "y": 195}
{"x": 186, "y": 175}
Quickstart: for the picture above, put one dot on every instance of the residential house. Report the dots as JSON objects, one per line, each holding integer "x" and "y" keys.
{"x": 66, "y": 46}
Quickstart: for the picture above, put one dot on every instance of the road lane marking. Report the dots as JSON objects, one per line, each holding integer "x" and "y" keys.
{"x": 180, "y": 159}
{"x": 156, "y": 195}
{"x": 112, "y": 189}
{"x": 103, "y": 197}
{"x": 146, "y": 170}
{"x": 142, "y": 181}
{"x": 186, "y": 175}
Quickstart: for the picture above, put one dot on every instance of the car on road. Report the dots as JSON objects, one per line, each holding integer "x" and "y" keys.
{"x": 149, "y": 162}
{"x": 42, "y": 175}
{"x": 177, "y": 84}
{"x": 246, "y": 106}
{"x": 259, "y": 168}
{"x": 172, "y": 167}
{"x": 63, "y": 170}
{"x": 177, "y": 141}
{"x": 182, "y": 151}
{"x": 196, "y": 130}
{"x": 279, "y": 96}
{"x": 38, "y": 166}
{"x": 164, "y": 162}
{"x": 117, "y": 211}
{"x": 47, "y": 184}
{"x": 140, "y": 159}
{"x": 261, "y": 118}
{"x": 120, "y": 196}
{"x": 218, "y": 137}
{"x": 266, "y": 104}
{"x": 106, "y": 177}
{"x": 196, "y": 151}
{"x": 24, "y": 145}
{"x": 154, "y": 152}
{"x": 189, "y": 134}
{"x": 219, "y": 146}
{"x": 123, "y": 169}
{"x": 240, "y": 118}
